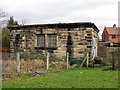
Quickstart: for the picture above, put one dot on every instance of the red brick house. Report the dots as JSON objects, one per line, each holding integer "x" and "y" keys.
{"x": 111, "y": 34}
{"x": 109, "y": 43}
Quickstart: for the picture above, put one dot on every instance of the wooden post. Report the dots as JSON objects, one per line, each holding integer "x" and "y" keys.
{"x": 67, "y": 60}
{"x": 83, "y": 61}
{"x": 47, "y": 60}
{"x": 87, "y": 62}
{"x": 18, "y": 61}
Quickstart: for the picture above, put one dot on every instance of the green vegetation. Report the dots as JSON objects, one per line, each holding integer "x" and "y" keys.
{"x": 73, "y": 78}
{"x": 6, "y": 33}
{"x": 5, "y": 38}
{"x": 11, "y": 22}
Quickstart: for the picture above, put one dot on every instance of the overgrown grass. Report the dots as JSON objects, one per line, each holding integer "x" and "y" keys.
{"x": 73, "y": 78}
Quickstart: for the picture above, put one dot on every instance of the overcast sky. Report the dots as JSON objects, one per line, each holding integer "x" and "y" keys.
{"x": 101, "y": 12}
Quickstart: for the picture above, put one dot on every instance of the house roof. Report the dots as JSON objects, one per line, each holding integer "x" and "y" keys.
{"x": 57, "y": 25}
{"x": 112, "y": 30}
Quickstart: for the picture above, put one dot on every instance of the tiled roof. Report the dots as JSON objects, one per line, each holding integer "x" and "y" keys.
{"x": 112, "y": 30}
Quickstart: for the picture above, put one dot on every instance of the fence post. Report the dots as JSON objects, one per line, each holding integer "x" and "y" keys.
{"x": 67, "y": 60}
{"x": 87, "y": 59}
{"x": 18, "y": 61}
{"x": 47, "y": 60}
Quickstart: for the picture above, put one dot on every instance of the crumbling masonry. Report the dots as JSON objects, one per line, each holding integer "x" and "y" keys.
{"x": 75, "y": 38}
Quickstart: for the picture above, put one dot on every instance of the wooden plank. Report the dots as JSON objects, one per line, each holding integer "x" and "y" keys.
{"x": 83, "y": 61}
{"x": 87, "y": 62}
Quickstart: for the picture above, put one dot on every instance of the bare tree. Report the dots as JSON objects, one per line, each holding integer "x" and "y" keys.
{"x": 3, "y": 22}
{"x": 24, "y": 21}
{"x": 3, "y": 18}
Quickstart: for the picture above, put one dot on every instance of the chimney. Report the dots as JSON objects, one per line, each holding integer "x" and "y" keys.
{"x": 114, "y": 26}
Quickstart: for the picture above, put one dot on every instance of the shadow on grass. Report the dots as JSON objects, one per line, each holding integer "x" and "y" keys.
{"x": 108, "y": 69}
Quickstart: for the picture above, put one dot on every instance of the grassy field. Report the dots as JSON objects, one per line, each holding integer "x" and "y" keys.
{"x": 72, "y": 78}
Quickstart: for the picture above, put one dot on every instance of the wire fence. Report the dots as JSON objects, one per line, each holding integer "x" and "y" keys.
{"x": 31, "y": 62}
{"x": 37, "y": 62}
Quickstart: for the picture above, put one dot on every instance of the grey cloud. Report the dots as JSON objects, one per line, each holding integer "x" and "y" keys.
{"x": 101, "y": 12}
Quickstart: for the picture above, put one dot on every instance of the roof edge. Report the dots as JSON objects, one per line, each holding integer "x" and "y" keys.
{"x": 54, "y": 25}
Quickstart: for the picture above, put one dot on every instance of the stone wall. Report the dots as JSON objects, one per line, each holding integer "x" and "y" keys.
{"x": 76, "y": 41}
{"x": 109, "y": 55}
{"x": 115, "y": 52}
